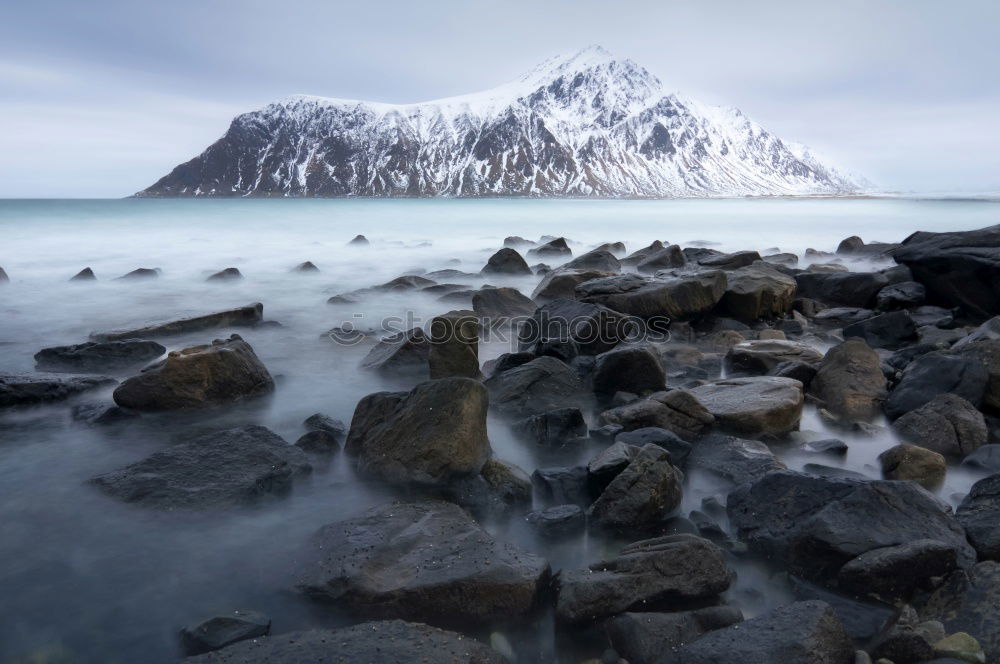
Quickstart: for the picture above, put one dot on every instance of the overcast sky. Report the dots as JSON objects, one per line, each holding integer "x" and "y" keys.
{"x": 102, "y": 97}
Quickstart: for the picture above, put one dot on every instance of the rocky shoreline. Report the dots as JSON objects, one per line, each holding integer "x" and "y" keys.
{"x": 656, "y": 365}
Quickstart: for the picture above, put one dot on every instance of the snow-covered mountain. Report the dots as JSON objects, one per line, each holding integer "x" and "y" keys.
{"x": 588, "y": 124}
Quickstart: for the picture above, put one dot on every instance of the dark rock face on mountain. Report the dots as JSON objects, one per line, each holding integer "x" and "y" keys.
{"x": 583, "y": 125}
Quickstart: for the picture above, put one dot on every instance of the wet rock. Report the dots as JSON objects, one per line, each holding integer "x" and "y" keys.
{"x": 842, "y": 316}
{"x": 756, "y": 358}
{"x": 140, "y": 273}
{"x": 506, "y": 362}
{"x": 534, "y": 387}
{"x": 635, "y": 369}
{"x": 908, "y": 641}
{"x": 753, "y": 406}
{"x": 557, "y": 522}
{"x": 846, "y": 289}
{"x": 359, "y": 241}
{"x": 598, "y": 259}
{"x": 652, "y": 638}
{"x": 930, "y": 315}
{"x": 98, "y": 356}
{"x": 319, "y": 442}
{"x": 592, "y": 328}
{"x": 678, "y": 448}
{"x": 979, "y": 514}
{"x": 27, "y": 389}
{"x": 306, "y": 268}
{"x": 910, "y": 462}
{"x": 937, "y": 373}
{"x": 732, "y": 261}
{"x": 517, "y": 242}
{"x": 863, "y": 619}
{"x": 677, "y": 297}
{"x": 501, "y": 303}
{"x": 799, "y": 633}
{"x": 639, "y": 255}
{"x": 896, "y": 571}
{"x": 607, "y": 465}
{"x": 833, "y": 446}
{"x": 969, "y": 601}
{"x": 986, "y": 458}
{"x": 891, "y": 330}
{"x": 428, "y": 436}
{"x": 662, "y": 259}
{"x": 947, "y": 424}
{"x": 86, "y": 274}
{"x": 321, "y": 422}
{"x": 903, "y": 295}
{"x": 215, "y": 470}
{"x": 757, "y": 291}
{"x": 220, "y": 631}
{"x": 958, "y": 269}
{"x": 562, "y": 283}
{"x": 403, "y": 353}
{"x": 228, "y": 274}
{"x": 553, "y": 428}
{"x": 429, "y": 561}
{"x": 816, "y": 524}
{"x": 560, "y": 486}
{"x": 248, "y": 316}
{"x": 556, "y": 247}
{"x": 961, "y": 647}
{"x": 646, "y": 575}
{"x": 454, "y": 350}
{"x": 735, "y": 459}
{"x": 800, "y": 371}
{"x": 850, "y": 245}
{"x": 787, "y": 259}
{"x": 641, "y": 495}
{"x": 101, "y": 413}
{"x": 506, "y": 261}
{"x": 850, "y": 381}
{"x": 220, "y": 373}
{"x": 678, "y": 411}
{"x": 987, "y": 353}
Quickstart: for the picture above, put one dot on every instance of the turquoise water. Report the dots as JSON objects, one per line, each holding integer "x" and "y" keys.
{"x": 86, "y": 579}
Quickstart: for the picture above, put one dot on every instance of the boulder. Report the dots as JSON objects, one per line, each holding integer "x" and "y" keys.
{"x": 902, "y": 295}
{"x": 987, "y": 353}
{"x": 359, "y": 241}
{"x": 979, "y": 514}
{"x": 677, "y": 411}
{"x": 101, "y": 413}
{"x": 661, "y": 572}
{"x": 534, "y": 387}
{"x": 556, "y": 247}
{"x": 220, "y": 373}
{"x": 676, "y": 297}
{"x": 403, "y": 353}
{"x": 732, "y": 261}
{"x": 864, "y": 618}
{"x": 319, "y": 442}
{"x": 553, "y": 428}
{"x": 507, "y": 482}
{"x": 663, "y": 259}
{"x": 216, "y": 470}
{"x": 140, "y": 273}
{"x": 757, "y": 291}
{"x": 896, "y": 571}
{"x": 506, "y": 362}
{"x": 429, "y": 436}
{"x": 306, "y": 268}
{"x": 652, "y": 638}
{"x": 562, "y": 283}
{"x": 958, "y": 269}
{"x": 800, "y": 371}
{"x": 557, "y": 522}
{"x": 635, "y": 369}
{"x": 561, "y": 486}
{"x": 516, "y": 241}
{"x": 641, "y": 495}
{"x": 454, "y": 340}
{"x": 850, "y": 245}
{"x": 607, "y": 465}
{"x": 678, "y": 448}
{"x": 639, "y": 255}
{"x": 937, "y": 373}
{"x": 228, "y": 274}
{"x": 910, "y": 462}
{"x": 426, "y": 561}
{"x": 756, "y": 358}
{"x": 799, "y": 633}
{"x": 98, "y": 356}
{"x": 816, "y": 524}
{"x": 985, "y": 458}
{"x": 592, "y": 328}
{"x": 846, "y": 289}
{"x": 501, "y": 303}
{"x": 248, "y": 316}
{"x": 86, "y": 274}
{"x": 598, "y": 259}
{"x": 506, "y": 261}
{"x": 969, "y": 601}
{"x": 850, "y": 382}
{"x": 947, "y": 424}
{"x": 753, "y": 406}
{"x": 736, "y": 460}
{"x": 842, "y": 316}
{"x": 28, "y": 389}
{"x": 321, "y": 422}
{"x": 220, "y": 631}
{"x": 890, "y": 330}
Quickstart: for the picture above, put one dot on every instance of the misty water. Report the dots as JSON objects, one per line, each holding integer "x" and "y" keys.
{"x": 86, "y": 578}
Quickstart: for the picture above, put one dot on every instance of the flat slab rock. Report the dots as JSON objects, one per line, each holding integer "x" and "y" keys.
{"x": 221, "y": 469}
{"x": 754, "y": 405}
{"x": 99, "y": 356}
{"x": 248, "y": 316}
{"x": 386, "y": 641}
{"x": 27, "y": 389}
{"x": 426, "y": 561}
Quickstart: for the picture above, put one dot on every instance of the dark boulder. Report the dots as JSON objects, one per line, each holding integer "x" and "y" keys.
{"x": 534, "y": 387}
{"x": 557, "y": 522}
{"x": 639, "y": 255}
{"x": 902, "y": 295}
{"x": 403, "y": 353}
{"x": 896, "y": 571}
{"x": 663, "y": 259}
{"x": 842, "y": 316}
{"x": 635, "y": 369}
{"x": 678, "y": 448}
{"x": 985, "y": 458}
{"x": 757, "y": 358}
{"x": 228, "y": 274}
{"x": 937, "y": 373}
{"x": 890, "y": 330}
{"x": 653, "y": 638}
{"x": 641, "y": 496}
{"x": 429, "y": 436}
{"x": 947, "y": 424}
{"x": 27, "y": 389}
{"x": 562, "y": 485}
{"x": 562, "y": 283}
{"x": 101, "y": 413}
{"x": 913, "y": 463}
{"x": 660, "y": 572}
{"x": 454, "y": 345}
{"x": 552, "y": 428}
{"x": 220, "y": 373}
{"x": 220, "y": 631}
{"x": 359, "y": 241}
{"x": 846, "y": 289}
{"x": 516, "y": 242}
{"x": 500, "y": 303}
{"x": 506, "y": 362}
{"x": 734, "y": 459}
{"x": 319, "y": 442}
{"x": 506, "y": 261}
{"x": 676, "y": 297}
{"x": 321, "y": 422}
{"x": 979, "y": 514}
{"x": 592, "y": 328}
{"x": 850, "y": 245}
{"x": 678, "y": 411}
{"x": 598, "y": 259}
{"x": 426, "y": 561}
{"x": 86, "y": 274}
{"x": 98, "y": 356}
{"x": 556, "y": 247}
{"x": 969, "y": 601}
{"x": 850, "y": 382}
{"x": 248, "y": 316}
{"x": 987, "y": 352}
{"x": 306, "y": 268}
{"x": 607, "y": 465}
{"x": 215, "y": 470}
{"x": 757, "y": 291}
{"x": 140, "y": 273}
{"x": 753, "y": 406}
{"x": 732, "y": 261}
